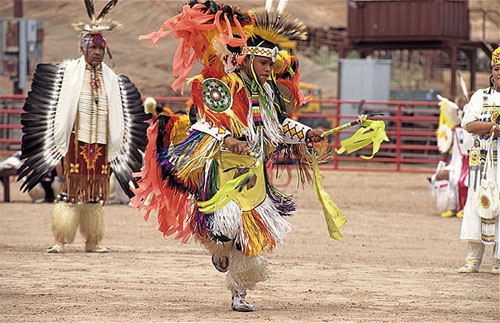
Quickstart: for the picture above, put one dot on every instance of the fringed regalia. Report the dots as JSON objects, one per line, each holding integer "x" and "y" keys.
{"x": 484, "y": 106}
{"x": 180, "y": 175}
{"x": 480, "y": 224}
{"x": 92, "y": 121}
{"x": 196, "y": 184}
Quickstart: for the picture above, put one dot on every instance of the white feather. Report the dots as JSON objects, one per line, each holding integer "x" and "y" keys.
{"x": 441, "y": 99}
{"x": 220, "y": 47}
{"x": 282, "y": 5}
{"x": 269, "y": 5}
{"x": 463, "y": 85}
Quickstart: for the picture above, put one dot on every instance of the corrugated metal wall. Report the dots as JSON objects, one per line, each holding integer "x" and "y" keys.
{"x": 385, "y": 20}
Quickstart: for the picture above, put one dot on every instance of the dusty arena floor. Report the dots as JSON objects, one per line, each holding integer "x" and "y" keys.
{"x": 398, "y": 263}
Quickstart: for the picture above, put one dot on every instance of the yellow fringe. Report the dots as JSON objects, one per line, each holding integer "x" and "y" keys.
{"x": 256, "y": 239}
{"x": 333, "y": 216}
{"x": 234, "y": 81}
{"x": 191, "y": 170}
{"x": 180, "y": 130}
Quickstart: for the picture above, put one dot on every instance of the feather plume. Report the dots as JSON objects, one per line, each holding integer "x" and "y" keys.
{"x": 281, "y": 6}
{"x": 463, "y": 85}
{"x": 89, "y": 4}
{"x": 276, "y": 28}
{"x": 38, "y": 148}
{"x": 220, "y": 48}
{"x": 107, "y": 8}
{"x": 269, "y": 5}
{"x": 130, "y": 159}
{"x": 97, "y": 24}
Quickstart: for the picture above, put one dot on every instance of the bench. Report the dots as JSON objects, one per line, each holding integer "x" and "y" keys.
{"x": 4, "y": 177}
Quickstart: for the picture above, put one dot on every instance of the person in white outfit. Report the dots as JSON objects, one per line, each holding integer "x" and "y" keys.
{"x": 449, "y": 183}
{"x": 482, "y": 119}
{"x": 80, "y": 114}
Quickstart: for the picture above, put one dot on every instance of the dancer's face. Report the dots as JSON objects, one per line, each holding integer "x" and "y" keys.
{"x": 94, "y": 55}
{"x": 495, "y": 72}
{"x": 262, "y": 67}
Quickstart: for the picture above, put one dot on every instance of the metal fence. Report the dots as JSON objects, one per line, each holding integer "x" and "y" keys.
{"x": 409, "y": 125}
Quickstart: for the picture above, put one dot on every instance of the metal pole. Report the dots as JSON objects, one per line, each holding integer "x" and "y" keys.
{"x": 336, "y": 136}
{"x": 484, "y": 25}
{"x": 473, "y": 57}
{"x": 398, "y": 138}
{"x": 22, "y": 56}
{"x": 18, "y": 13}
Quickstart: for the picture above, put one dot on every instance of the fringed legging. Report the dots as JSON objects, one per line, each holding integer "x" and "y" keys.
{"x": 67, "y": 217}
{"x": 243, "y": 272}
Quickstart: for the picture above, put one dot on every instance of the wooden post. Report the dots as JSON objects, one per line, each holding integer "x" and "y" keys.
{"x": 453, "y": 61}
{"x": 18, "y": 8}
{"x": 472, "y": 62}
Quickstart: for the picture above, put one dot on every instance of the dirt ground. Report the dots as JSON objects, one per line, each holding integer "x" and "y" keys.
{"x": 398, "y": 263}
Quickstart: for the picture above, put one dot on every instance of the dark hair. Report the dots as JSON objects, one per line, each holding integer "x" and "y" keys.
{"x": 261, "y": 42}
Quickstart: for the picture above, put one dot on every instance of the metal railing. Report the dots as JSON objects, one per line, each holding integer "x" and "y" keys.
{"x": 409, "y": 125}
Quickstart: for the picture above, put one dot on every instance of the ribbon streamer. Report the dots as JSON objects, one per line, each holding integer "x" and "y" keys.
{"x": 371, "y": 132}
{"x": 333, "y": 216}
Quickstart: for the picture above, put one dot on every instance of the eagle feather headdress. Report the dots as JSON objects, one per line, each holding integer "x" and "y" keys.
{"x": 97, "y": 23}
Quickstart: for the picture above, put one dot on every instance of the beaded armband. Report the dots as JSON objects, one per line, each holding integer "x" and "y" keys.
{"x": 294, "y": 132}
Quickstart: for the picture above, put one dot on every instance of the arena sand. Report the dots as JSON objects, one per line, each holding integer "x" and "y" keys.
{"x": 398, "y": 263}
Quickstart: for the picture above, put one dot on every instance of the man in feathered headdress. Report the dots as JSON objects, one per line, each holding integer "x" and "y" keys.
{"x": 241, "y": 100}
{"x": 83, "y": 114}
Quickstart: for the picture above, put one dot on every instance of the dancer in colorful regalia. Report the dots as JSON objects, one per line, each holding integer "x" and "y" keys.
{"x": 480, "y": 225}
{"x": 449, "y": 185}
{"x": 83, "y": 114}
{"x": 211, "y": 182}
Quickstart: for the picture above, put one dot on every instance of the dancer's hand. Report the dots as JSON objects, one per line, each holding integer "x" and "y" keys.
{"x": 495, "y": 129}
{"x": 314, "y": 135}
{"x": 236, "y": 146}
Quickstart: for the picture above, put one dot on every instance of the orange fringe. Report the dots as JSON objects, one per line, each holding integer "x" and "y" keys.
{"x": 171, "y": 204}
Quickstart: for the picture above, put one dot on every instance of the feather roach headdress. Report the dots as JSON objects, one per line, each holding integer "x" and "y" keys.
{"x": 92, "y": 31}
{"x": 271, "y": 28}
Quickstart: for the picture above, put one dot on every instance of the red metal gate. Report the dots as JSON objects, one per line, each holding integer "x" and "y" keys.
{"x": 409, "y": 125}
